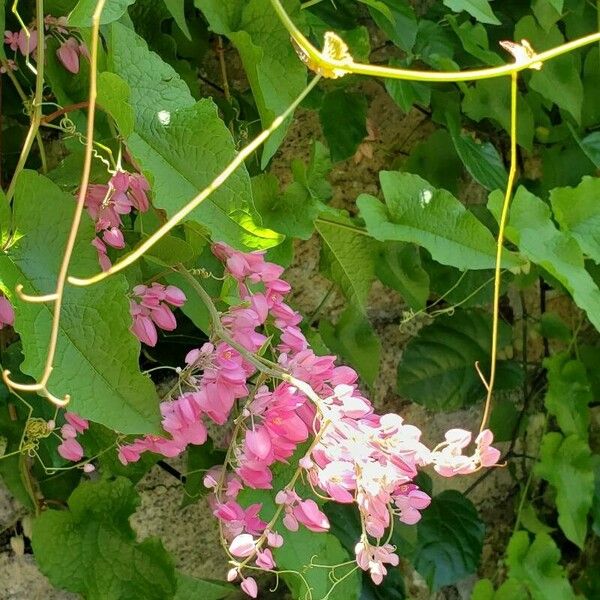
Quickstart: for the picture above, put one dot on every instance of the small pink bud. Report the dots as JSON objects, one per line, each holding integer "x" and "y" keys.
{"x": 232, "y": 575}
{"x": 163, "y": 316}
{"x": 7, "y": 314}
{"x": 174, "y": 296}
{"x": 76, "y": 421}
{"x": 265, "y": 560}
{"x": 50, "y": 425}
{"x": 249, "y": 586}
{"x": 114, "y": 237}
{"x": 68, "y": 54}
{"x": 274, "y": 539}
{"x": 89, "y": 468}
{"x": 68, "y": 431}
{"x": 143, "y": 328}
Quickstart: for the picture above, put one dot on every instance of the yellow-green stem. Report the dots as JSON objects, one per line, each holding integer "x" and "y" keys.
{"x": 499, "y": 247}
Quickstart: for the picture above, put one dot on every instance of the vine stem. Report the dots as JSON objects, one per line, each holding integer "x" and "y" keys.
{"x": 328, "y": 64}
{"x": 499, "y": 247}
{"x": 203, "y": 195}
{"x": 57, "y": 298}
{"x": 36, "y": 111}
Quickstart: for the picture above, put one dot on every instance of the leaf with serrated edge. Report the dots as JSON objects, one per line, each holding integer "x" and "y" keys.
{"x": 537, "y": 567}
{"x": 97, "y": 356}
{"x": 184, "y": 145}
{"x": 531, "y": 228}
{"x": 416, "y": 212}
{"x": 91, "y": 548}
{"x": 348, "y": 259}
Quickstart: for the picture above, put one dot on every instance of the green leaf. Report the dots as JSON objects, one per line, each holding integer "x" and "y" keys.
{"x": 266, "y": 52}
{"x": 184, "y": 145}
{"x": 177, "y": 10}
{"x": 190, "y": 588}
{"x": 344, "y": 121}
{"x": 503, "y": 420}
{"x": 547, "y": 12}
{"x": 92, "y": 550}
{"x": 578, "y": 214}
{"x": 113, "y": 96}
{"x": 480, "y": 9}
{"x": 399, "y": 267}
{"x": 450, "y": 540}
{"x": 403, "y": 29}
{"x": 97, "y": 357}
{"x": 380, "y": 7}
{"x": 552, "y": 326}
{"x": 566, "y": 463}
{"x": 596, "y": 501}
{"x": 530, "y": 520}
{"x": 531, "y": 228}
{"x": 590, "y": 144}
{"x": 84, "y": 11}
{"x": 169, "y": 251}
{"x": 559, "y": 80}
{"x": 353, "y": 339}
{"x": 407, "y": 93}
{"x": 481, "y": 159}
{"x": 509, "y": 590}
{"x": 5, "y": 217}
{"x": 416, "y": 212}
{"x": 348, "y": 259}
{"x": 569, "y": 394}
{"x": 474, "y": 39}
{"x": 490, "y": 99}
{"x": 537, "y": 567}
{"x": 437, "y": 368}
{"x": 436, "y": 161}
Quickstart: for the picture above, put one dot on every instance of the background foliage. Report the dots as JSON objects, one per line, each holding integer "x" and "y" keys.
{"x": 183, "y": 85}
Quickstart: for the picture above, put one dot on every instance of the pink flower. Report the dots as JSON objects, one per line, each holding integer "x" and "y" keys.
{"x": 12, "y": 39}
{"x": 113, "y": 236}
{"x": 7, "y": 314}
{"x": 71, "y": 449}
{"x": 143, "y": 328}
{"x": 68, "y": 54}
{"x": 265, "y": 560}
{"x": 250, "y": 587}
{"x": 488, "y": 456}
{"x": 243, "y": 545}
{"x": 78, "y": 423}
{"x": 307, "y": 512}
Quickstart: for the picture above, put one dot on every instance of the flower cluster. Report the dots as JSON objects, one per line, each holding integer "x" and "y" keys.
{"x": 70, "y": 448}
{"x": 68, "y": 53}
{"x": 355, "y": 455}
{"x": 7, "y": 314}
{"x": 151, "y": 310}
{"x": 106, "y": 203}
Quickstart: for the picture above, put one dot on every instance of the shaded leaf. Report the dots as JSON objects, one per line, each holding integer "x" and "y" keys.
{"x": 348, "y": 259}
{"x": 437, "y": 368}
{"x": 569, "y": 394}
{"x": 344, "y": 120}
{"x": 399, "y": 267}
{"x": 566, "y": 463}
{"x": 177, "y": 10}
{"x": 268, "y": 56}
{"x": 353, "y": 339}
{"x": 450, "y": 540}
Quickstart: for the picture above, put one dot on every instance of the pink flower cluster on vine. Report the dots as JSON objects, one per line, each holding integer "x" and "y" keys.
{"x": 70, "y": 49}
{"x": 106, "y": 203}
{"x": 348, "y": 453}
